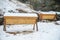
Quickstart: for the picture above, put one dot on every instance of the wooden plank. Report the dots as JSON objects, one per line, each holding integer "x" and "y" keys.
{"x": 15, "y": 17}
{"x": 21, "y": 20}
{"x": 47, "y": 16}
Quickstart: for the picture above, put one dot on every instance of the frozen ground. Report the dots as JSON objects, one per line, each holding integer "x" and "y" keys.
{"x": 47, "y": 31}
{"x": 6, "y": 6}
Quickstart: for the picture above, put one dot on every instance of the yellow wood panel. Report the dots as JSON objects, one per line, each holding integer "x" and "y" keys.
{"x": 46, "y": 16}
{"x": 20, "y": 20}
{"x": 15, "y": 17}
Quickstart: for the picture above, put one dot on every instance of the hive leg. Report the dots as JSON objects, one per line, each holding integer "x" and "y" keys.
{"x": 36, "y": 27}
{"x": 4, "y": 26}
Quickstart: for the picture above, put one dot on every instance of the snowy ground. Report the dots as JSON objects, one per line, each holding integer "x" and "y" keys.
{"x": 47, "y": 31}
{"x": 6, "y": 6}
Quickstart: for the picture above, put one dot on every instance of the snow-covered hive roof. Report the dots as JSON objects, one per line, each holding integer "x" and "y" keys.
{"x": 21, "y": 14}
{"x": 49, "y": 12}
{"x": 58, "y": 12}
{"x": 13, "y": 5}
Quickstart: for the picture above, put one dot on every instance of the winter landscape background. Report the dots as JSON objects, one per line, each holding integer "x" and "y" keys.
{"x": 46, "y": 30}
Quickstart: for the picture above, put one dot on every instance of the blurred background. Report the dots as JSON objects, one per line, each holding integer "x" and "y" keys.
{"x": 44, "y": 5}
{"x": 38, "y": 5}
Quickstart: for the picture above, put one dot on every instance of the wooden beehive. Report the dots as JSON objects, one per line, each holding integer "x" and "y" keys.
{"x": 22, "y": 18}
{"x": 47, "y": 16}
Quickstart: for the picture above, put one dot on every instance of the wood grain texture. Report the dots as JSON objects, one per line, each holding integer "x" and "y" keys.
{"x": 20, "y": 20}
{"x": 47, "y": 16}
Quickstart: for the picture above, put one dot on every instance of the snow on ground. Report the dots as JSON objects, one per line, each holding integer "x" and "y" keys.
{"x": 58, "y": 22}
{"x": 7, "y": 5}
{"x": 58, "y": 12}
{"x": 47, "y": 31}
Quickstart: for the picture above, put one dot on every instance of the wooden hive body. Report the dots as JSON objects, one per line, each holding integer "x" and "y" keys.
{"x": 20, "y": 20}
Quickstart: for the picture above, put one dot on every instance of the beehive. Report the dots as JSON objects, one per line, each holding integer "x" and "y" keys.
{"x": 22, "y": 18}
{"x": 47, "y": 16}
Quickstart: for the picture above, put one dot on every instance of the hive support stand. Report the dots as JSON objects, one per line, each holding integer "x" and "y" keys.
{"x": 34, "y": 26}
{"x": 4, "y": 25}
